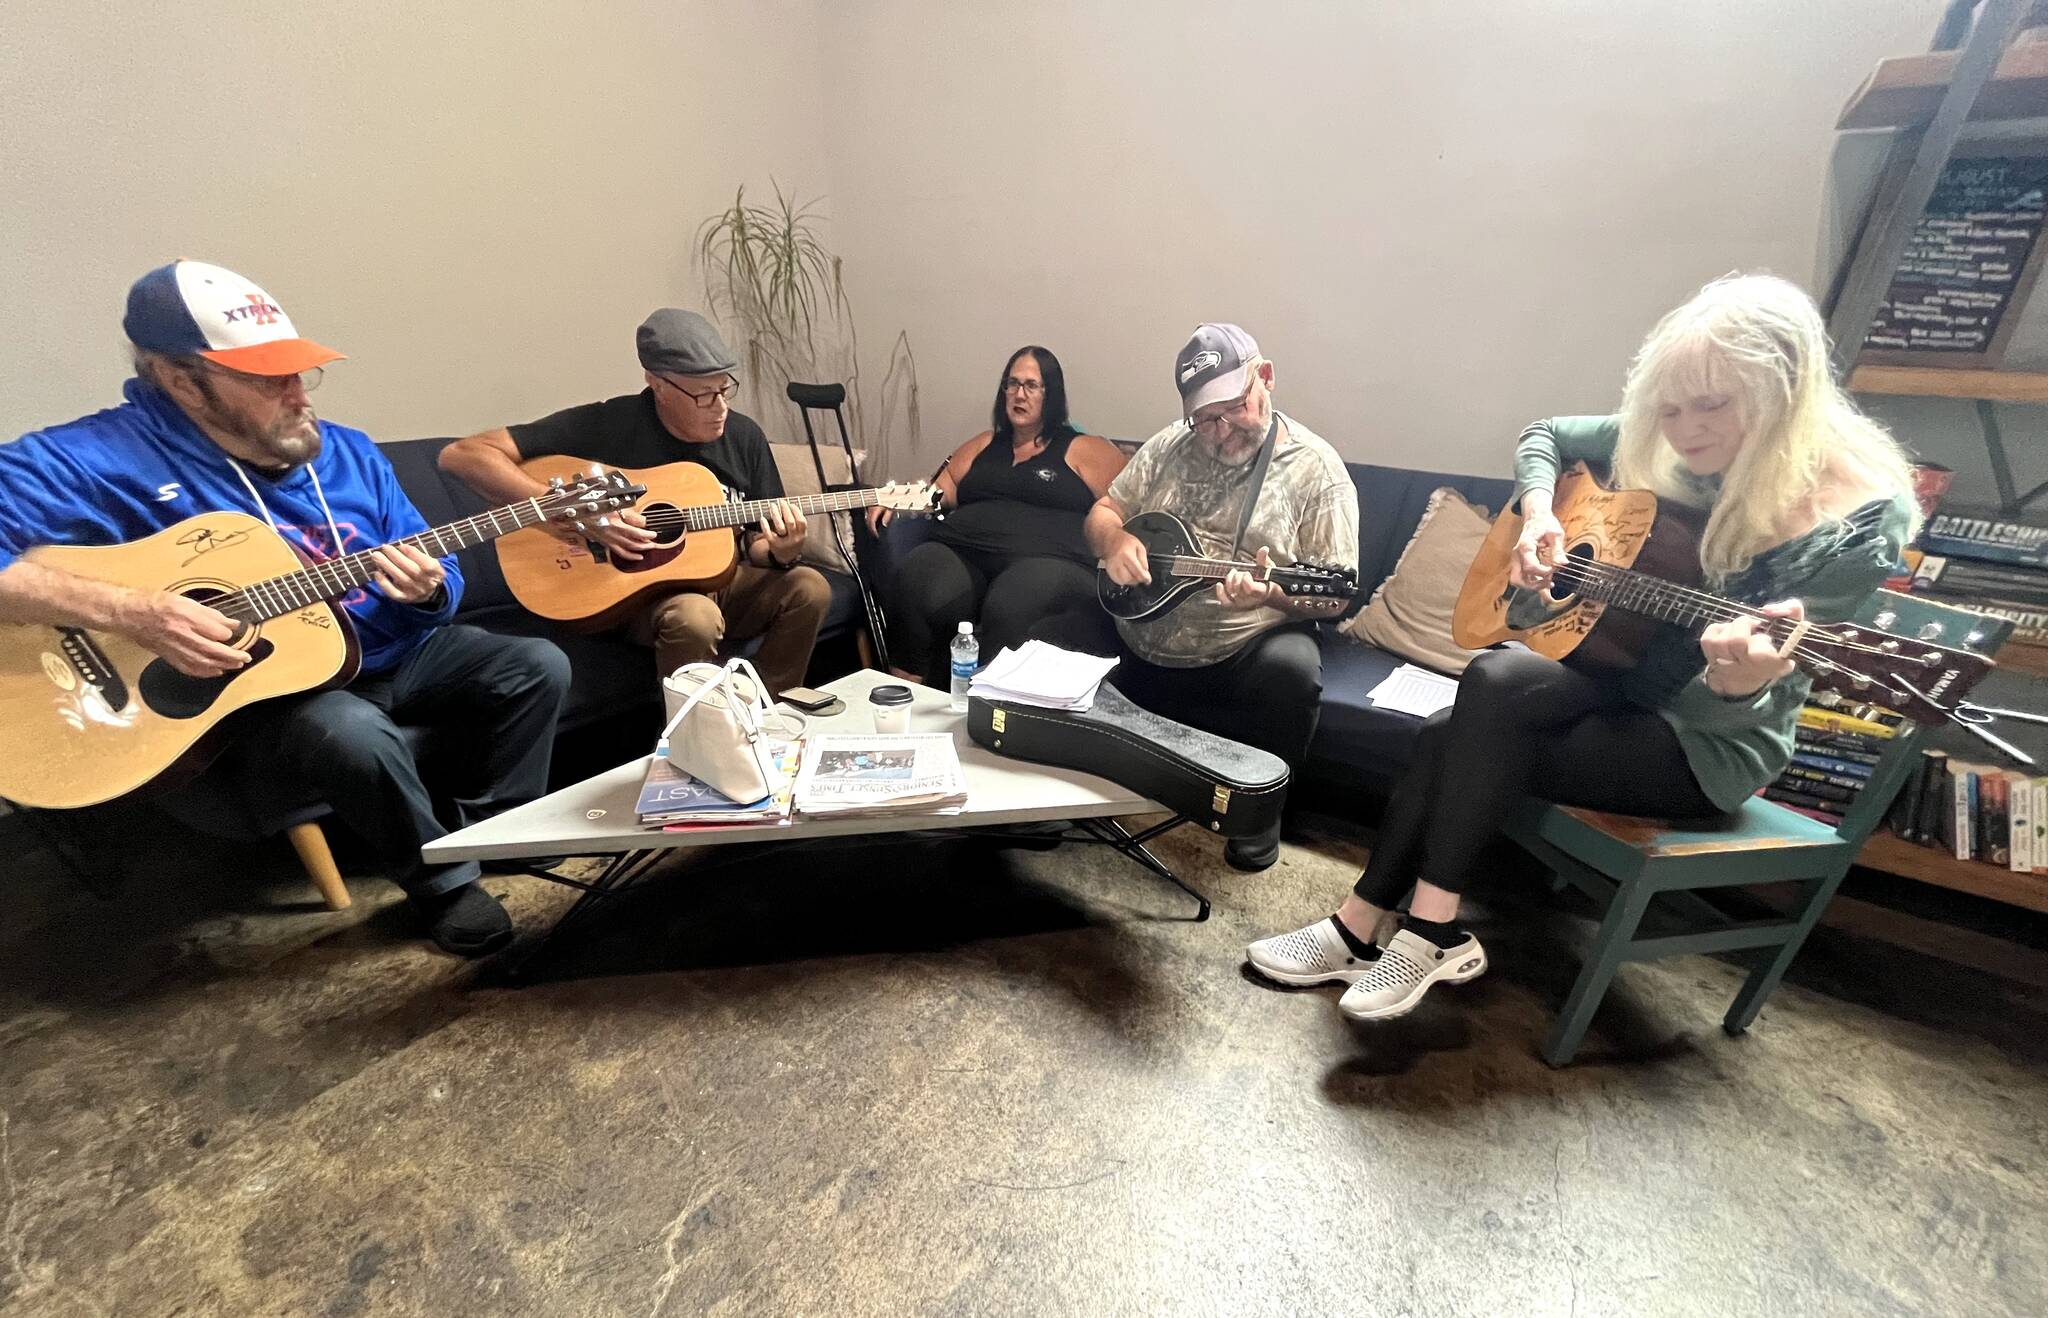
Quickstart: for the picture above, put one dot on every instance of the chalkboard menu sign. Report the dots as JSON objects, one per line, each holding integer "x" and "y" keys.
{"x": 1957, "y": 291}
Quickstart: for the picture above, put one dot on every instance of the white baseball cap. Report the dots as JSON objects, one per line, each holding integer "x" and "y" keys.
{"x": 190, "y": 307}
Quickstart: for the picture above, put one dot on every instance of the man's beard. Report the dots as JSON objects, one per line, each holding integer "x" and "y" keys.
{"x": 1237, "y": 444}
{"x": 290, "y": 441}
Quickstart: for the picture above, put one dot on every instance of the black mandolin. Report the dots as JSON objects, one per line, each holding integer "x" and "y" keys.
{"x": 1179, "y": 570}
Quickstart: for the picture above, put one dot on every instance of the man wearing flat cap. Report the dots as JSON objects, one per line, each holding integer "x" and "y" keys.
{"x": 683, "y": 414}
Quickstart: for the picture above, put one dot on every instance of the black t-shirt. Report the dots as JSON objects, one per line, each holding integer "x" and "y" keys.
{"x": 625, "y": 432}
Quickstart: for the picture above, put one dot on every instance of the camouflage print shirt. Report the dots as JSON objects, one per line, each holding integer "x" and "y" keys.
{"x": 1307, "y": 513}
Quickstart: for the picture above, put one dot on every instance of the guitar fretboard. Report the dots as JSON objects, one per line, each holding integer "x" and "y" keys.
{"x": 718, "y": 515}
{"x": 276, "y": 596}
{"x": 1215, "y": 569}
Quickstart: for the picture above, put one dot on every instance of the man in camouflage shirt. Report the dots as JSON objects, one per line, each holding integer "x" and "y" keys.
{"x": 1240, "y": 660}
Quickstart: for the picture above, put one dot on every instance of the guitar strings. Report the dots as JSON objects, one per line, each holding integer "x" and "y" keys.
{"x": 1578, "y": 571}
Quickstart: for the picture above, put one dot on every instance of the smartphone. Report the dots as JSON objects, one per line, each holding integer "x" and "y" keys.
{"x": 808, "y": 700}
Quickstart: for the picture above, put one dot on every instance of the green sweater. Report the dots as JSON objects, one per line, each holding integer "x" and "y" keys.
{"x": 1734, "y": 747}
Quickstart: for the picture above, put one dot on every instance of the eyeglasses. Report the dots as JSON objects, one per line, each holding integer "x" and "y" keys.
{"x": 277, "y": 386}
{"x": 1198, "y": 424}
{"x": 705, "y": 399}
{"x": 1029, "y": 388}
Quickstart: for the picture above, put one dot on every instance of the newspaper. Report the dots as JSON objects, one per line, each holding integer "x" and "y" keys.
{"x": 884, "y": 773}
{"x": 670, "y": 797}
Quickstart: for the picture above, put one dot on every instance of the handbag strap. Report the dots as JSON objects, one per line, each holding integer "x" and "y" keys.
{"x": 1257, "y": 481}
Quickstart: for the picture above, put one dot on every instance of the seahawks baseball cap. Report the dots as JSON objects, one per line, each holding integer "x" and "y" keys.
{"x": 1214, "y": 367}
{"x": 190, "y": 307}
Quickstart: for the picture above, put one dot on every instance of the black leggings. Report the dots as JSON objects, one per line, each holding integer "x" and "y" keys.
{"x": 1523, "y": 726}
{"x": 937, "y": 587}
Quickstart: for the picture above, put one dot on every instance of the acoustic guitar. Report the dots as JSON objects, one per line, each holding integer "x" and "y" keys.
{"x": 1179, "y": 570}
{"x": 581, "y": 585}
{"x": 1629, "y": 568}
{"x": 88, "y": 715}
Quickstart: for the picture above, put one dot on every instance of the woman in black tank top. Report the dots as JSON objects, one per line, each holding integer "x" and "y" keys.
{"x": 1010, "y": 550}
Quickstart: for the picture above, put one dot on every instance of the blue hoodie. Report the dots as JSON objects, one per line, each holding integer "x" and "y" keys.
{"x": 133, "y": 470}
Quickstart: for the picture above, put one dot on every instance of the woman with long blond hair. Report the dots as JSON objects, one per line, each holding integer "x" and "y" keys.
{"x": 1730, "y": 407}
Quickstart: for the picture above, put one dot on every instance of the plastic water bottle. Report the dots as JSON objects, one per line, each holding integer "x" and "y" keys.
{"x": 966, "y": 656}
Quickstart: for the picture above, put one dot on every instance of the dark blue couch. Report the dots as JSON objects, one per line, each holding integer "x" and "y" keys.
{"x": 1354, "y": 742}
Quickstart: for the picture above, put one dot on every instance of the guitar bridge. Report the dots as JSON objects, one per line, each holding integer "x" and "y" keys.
{"x": 92, "y": 666}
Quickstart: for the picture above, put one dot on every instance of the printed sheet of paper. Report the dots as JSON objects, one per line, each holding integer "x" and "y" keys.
{"x": 1417, "y": 691}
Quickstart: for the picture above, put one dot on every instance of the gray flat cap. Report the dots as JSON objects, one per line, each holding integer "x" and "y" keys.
{"x": 677, "y": 342}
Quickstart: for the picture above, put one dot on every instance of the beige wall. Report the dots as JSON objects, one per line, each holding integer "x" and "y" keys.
{"x": 1440, "y": 219}
{"x": 477, "y": 202}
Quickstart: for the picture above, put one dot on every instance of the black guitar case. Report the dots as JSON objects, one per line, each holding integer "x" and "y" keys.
{"x": 1226, "y": 786}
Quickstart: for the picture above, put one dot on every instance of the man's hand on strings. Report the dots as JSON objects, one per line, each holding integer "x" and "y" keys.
{"x": 404, "y": 573}
{"x": 1743, "y": 657}
{"x": 1242, "y": 590}
{"x": 624, "y": 534}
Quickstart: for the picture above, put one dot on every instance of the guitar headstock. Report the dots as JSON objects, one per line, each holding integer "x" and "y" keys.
{"x": 1912, "y": 674}
{"x": 917, "y": 497}
{"x": 592, "y": 494}
{"x": 1313, "y": 579}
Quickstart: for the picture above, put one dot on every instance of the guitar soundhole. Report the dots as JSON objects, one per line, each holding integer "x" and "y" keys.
{"x": 1564, "y": 584}
{"x": 665, "y": 520}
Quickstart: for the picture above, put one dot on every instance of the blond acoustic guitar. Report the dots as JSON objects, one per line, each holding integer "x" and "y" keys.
{"x": 575, "y": 580}
{"x": 88, "y": 715}
{"x": 1629, "y": 568}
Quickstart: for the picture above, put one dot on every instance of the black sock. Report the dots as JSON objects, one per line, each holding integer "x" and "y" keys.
{"x": 1441, "y": 932}
{"x": 1360, "y": 948}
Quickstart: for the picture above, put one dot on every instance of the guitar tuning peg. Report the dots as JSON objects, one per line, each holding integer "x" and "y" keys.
{"x": 554, "y": 482}
{"x": 1886, "y": 619}
{"x": 1930, "y": 631}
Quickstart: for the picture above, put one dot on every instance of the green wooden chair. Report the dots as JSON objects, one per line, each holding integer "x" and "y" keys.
{"x": 1633, "y": 866}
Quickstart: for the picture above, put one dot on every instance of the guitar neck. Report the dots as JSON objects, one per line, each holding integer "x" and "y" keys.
{"x": 276, "y": 596}
{"x": 1215, "y": 569}
{"x": 1639, "y": 592}
{"x": 717, "y": 515}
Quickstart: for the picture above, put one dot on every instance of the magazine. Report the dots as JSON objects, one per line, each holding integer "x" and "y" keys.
{"x": 669, "y": 796}
{"x": 880, "y": 774}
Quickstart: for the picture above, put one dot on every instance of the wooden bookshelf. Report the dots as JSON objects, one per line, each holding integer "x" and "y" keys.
{"x": 1944, "y": 382}
{"x": 1932, "y": 865}
{"x": 1904, "y": 92}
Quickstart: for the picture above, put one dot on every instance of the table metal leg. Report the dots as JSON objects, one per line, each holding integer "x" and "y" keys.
{"x": 625, "y": 871}
{"x": 1113, "y": 833}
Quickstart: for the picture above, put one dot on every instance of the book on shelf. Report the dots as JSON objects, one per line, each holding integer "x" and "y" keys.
{"x": 1984, "y": 536}
{"x": 1834, "y": 765}
{"x": 2029, "y": 621}
{"x": 1864, "y": 720}
{"x": 1961, "y": 582}
{"x": 883, "y": 773}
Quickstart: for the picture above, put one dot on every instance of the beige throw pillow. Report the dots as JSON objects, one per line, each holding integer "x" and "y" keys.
{"x": 1410, "y": 614}
{"x": 800, "y": 476}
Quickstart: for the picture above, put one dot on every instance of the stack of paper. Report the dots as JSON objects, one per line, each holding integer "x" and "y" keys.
{"x": 1417, "y": 691}
{"x": 1043, "y": 675}
{"x": 883, "y": 774}
{"x": 669, "y": 797}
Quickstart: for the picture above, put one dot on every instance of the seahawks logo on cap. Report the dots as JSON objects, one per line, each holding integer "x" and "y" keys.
{"x": 1206, "y": 359}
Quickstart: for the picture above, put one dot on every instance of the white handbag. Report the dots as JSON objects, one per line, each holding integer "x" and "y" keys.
{"x": 719, "y": 728}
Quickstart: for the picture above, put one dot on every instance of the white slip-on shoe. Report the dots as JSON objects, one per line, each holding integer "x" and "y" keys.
{"x": 1405, "y": 968}
{"x": 1314, "y": 954}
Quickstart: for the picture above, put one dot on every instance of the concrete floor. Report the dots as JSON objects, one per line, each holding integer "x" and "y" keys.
{"x": 975, "y": 1084}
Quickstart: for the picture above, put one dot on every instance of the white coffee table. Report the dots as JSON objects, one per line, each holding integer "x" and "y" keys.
{"x": 596, "y": 818}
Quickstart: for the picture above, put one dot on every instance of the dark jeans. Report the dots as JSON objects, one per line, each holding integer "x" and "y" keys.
{"x": 1268, "y": 695}
{"x": 938, "y": 587}
{"x": 1523, "y": 726}
{"x": 499, "y": 696}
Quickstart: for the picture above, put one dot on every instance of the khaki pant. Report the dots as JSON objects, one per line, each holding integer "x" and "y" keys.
{"x": 784, "y": 609}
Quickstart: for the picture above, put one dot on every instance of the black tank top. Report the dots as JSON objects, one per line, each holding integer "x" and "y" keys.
{"x": 1019, "y": 509}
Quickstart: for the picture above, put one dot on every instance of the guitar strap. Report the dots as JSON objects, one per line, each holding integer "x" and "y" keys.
{"x": 1258, "y": 480}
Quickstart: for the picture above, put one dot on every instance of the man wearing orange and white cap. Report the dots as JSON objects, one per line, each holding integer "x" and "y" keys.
{"x": 217, "y": 417}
